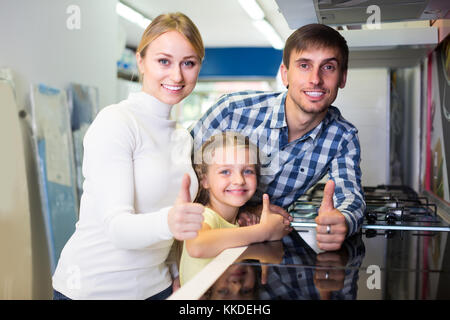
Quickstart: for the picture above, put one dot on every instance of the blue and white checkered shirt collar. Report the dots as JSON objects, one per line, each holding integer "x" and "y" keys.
{"x": 278, "y": 119}
{"x": 332, "y": 114}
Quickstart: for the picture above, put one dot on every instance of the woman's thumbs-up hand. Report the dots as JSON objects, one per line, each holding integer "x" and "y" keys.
{"x": 185, "y": 218}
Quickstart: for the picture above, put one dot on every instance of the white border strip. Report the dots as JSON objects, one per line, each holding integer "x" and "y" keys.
{"x": 203, "y": 280}
{"x": 305, "y": 225}
{"x": 411, "y": 228}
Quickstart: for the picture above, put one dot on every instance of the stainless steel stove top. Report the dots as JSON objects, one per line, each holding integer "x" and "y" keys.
{"x": 388, "y": 208}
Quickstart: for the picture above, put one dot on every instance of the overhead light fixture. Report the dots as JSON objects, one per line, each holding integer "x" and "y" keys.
{"x": 132, "y": 15}
{"x": 252, "y": 8}
{"x": 257, "y": 15}
{"x": 272, "y": 36}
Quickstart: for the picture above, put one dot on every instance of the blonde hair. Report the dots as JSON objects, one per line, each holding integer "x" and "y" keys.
{"x": 206, "y": 152}
{"x": 168, "y": 22}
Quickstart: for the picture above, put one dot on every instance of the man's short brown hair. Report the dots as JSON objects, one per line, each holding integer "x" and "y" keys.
{"x": 316, "y": 36}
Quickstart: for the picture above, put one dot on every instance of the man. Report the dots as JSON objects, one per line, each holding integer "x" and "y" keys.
{"x": 300, "y": 135}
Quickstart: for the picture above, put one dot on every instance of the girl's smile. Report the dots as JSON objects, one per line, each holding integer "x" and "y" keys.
{"x": 231, "y": 183}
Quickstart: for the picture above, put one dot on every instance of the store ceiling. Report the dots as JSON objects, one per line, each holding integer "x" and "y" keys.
{"x": 223, "y": 23}
{"x": 357, "y": 12}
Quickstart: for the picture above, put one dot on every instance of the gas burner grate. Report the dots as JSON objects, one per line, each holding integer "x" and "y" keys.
{"x": 387, "y": 208}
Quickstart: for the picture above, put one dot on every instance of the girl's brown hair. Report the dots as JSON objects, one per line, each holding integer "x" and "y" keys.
{"x": 203, "y": 157}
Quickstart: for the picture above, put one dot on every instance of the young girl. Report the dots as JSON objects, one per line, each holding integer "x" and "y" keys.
{"x": 228, "y": 177}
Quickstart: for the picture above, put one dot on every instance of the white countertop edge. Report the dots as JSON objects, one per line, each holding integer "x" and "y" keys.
{"x": 203, "y": 280}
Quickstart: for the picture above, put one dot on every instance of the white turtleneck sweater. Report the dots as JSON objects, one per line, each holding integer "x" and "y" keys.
{"x": 134, "y": 161}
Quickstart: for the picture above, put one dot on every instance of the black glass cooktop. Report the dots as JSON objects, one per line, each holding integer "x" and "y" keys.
{"x": 386, "y": 264}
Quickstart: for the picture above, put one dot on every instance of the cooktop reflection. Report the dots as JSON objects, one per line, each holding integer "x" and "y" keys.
{"x": 403, "y": 265}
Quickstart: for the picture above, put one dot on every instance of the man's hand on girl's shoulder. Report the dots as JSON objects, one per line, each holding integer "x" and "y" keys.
{"x": 247, "y": 218}
{"x": 250, "y": 215}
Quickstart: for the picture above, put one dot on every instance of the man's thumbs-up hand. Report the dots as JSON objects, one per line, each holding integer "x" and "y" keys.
{"x": 327, "y": 200}
{"x": 331, "y": 225}
{"x": 185, "y": 218}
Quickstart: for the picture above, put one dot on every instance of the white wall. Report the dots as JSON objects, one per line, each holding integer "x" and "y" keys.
{"x": 365, "y": 102}
{"x": 37, "y": 45}
{"x": 409, "y": 88}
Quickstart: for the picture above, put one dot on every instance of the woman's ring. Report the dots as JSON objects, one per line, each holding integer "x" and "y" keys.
{"x": 328, "y": 229}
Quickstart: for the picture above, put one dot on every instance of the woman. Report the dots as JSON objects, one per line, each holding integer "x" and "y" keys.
{"x": 134, "y": 201}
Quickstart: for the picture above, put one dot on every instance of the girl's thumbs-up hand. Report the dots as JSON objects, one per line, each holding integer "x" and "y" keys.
{"x": 331, "y": 224}
{"x": 272, "y": 223}
{"x": 185, "y": 218}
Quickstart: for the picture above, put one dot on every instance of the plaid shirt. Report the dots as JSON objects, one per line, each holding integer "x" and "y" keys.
{"x": 289, "y": 169}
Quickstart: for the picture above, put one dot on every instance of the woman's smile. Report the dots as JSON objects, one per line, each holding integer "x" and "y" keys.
{"x": 173, "y": 88}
